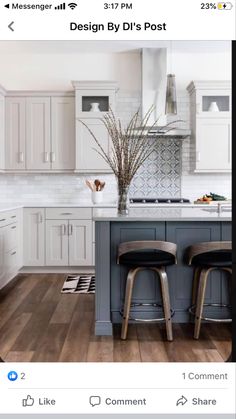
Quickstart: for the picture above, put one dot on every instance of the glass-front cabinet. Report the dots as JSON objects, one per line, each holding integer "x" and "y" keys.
{"x": 210, "y": 110}
{"x": 93, "y": 100}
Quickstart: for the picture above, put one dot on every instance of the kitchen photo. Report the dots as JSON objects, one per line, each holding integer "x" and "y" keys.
{"x": 115, "y": 201}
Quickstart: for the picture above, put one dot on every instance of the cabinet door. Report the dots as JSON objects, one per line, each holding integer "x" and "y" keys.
{"x": 57, "y": 243}
{"x": 38, "y": 133}
{"x": 80, "y": 243}
{"x": 213, "y": 145}
{"x": 15, "y": 133}
{"x": 2, "y": 132}
{"x": 34, "y": 237}
{"x": 63, "y": 133}
{"x": 2, "y": 265}
{"x": 87, "y": 159}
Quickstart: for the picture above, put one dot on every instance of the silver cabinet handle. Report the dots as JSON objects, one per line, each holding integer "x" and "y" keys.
{"x": 3, "y": 219}
{"x": 13, "y": 227}
{"x": 13, "y": 216}
{"x": 40, "y": 218}
{"x": 46, "y": 157}
{"x": 63, "y": 229}
{"x": 21, "y": 157}
{"x": 66, "y": 213}
{"x": 13, "y": 253}
{"x": 198, "y": 156}
{"x": 53, "y": 156}
{"x": 70, "y": 230}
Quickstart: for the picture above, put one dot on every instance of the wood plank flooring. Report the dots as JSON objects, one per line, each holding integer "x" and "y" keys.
{"x": 39, "y": 324}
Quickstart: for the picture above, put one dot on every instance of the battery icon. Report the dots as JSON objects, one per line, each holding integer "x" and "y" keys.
{"x": 224, "y": 6}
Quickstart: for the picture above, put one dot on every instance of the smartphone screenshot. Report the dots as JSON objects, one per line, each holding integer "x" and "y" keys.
{"x": 116, "y": 154}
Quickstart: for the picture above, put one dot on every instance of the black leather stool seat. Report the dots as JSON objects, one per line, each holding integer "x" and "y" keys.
{"x": 216, "y": 258}
{"x": 147, "y": 258}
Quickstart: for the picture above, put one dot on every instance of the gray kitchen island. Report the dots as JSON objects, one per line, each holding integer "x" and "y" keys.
{"x": 183, "y": 226}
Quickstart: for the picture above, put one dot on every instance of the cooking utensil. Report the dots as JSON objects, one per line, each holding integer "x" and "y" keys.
{"x": 97, "y": 184}
{"x": 90, "y": 185}
{"x": 102, "y": 184}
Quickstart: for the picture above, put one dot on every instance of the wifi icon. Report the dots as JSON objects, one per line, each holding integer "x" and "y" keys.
{"x": 72, "y": 5}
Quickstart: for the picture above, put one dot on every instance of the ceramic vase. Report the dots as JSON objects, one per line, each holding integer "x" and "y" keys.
{"x": 95, "y": 107}
{"x": 213, "y": 107}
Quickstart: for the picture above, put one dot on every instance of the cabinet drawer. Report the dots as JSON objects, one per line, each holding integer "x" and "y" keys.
{"x": 8, "y": 217}
{"x": 11, "y": 261}
{"x": 68, "y": 213}
{"x": 11, "y": 237}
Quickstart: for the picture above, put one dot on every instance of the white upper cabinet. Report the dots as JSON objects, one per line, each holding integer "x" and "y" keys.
{"x": 2, "y": 130}
{"x": 15, "y": 145}
{"x": 38, "y": 133}
{"x": 63, "y": 133}
{"x": 93, "y": 100}
{"x": 210, "y": 108}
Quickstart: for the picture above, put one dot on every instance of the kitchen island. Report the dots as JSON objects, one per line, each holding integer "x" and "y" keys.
{"x": 183, "y": 226}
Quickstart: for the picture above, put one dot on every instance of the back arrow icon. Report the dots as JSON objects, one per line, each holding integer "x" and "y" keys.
{"x": 10, "y": 26}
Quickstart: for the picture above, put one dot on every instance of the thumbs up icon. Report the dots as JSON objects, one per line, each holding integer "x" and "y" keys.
{"x": 29, "y": 401}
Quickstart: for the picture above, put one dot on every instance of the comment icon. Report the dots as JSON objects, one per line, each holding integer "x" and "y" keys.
{"x": 95, "y": 400}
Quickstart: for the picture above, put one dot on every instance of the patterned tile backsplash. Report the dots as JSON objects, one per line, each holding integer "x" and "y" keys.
{"x": 160, "y": 175}
{"x": 165, "y": 174}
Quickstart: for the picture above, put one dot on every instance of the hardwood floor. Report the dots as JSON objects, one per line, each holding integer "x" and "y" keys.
{"x": 39, "y": 324}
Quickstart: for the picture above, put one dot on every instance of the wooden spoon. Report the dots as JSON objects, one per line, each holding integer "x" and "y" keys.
{"x": 102, "y": 184}
{"x": 97, "y": 183}
{"x": 89, "y": 184}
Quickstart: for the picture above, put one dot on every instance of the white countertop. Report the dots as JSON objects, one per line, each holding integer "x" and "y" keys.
{"x": 141, "y": 209}
{"x": 164, "y": 214}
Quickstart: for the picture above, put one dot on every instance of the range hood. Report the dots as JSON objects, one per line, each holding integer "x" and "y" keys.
{"x": 155, "y": 67}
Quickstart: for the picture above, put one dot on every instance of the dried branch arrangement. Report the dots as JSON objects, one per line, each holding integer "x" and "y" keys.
{"x": 129, "y": 145}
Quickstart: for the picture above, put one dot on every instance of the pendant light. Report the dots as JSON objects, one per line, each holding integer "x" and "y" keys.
{"x": 171, "y": 104}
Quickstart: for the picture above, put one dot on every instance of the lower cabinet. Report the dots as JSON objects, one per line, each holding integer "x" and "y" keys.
{"x": 10, "y": 246}
{"x": 68, "y": 242}
{"x": 34, "y": 237}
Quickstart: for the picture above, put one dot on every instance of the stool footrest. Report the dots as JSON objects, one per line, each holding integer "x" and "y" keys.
{"x": 159, "y": 319}
{"x": 210, "y": 319}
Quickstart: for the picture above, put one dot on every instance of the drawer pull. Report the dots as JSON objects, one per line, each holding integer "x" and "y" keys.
{"x": 13, "y": 216}
{"x": 40, "y": 218}
{"x": 66, "y": 213}
{"x": 13, "y": 227}
{"x": 3, "y": 219}
{"x": 13, "y": 253}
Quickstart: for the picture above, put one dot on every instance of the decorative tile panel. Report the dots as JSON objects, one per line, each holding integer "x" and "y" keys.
{"x": 160, "y": 175}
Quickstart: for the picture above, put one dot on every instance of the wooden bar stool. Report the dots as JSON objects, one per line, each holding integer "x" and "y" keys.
{"x": 205, "y": 257}
{"x": 142, "y": 255}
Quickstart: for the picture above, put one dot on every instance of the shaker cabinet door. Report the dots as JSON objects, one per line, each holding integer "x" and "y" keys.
{"x": 213, "y": 144}
{"x": 57, "y": 249}
{"x": 38, "y": 133}
{"x": 15, "y": 133}
{"x": 63, "y": 133}
{"x": 80, "y": 243}
{"x": 33, "y": 237}
{"x": 87, "y": 158}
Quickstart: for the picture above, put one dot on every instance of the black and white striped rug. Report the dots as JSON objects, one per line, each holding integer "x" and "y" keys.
{"x": 80, "y": 284}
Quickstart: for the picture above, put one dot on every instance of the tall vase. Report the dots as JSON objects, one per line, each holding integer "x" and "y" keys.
{"x": 123, "y": 200}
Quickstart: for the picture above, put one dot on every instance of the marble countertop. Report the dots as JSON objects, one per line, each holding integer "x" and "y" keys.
{"x": 138, "y": 208}
{"x": 164, "y": 214}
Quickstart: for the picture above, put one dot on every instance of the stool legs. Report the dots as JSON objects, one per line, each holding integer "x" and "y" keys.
{"x": 166, "y": 301}
{"x": 200, "y": 300}
{"x": 128, "y": 296}
{"x": 196, "y": 274}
